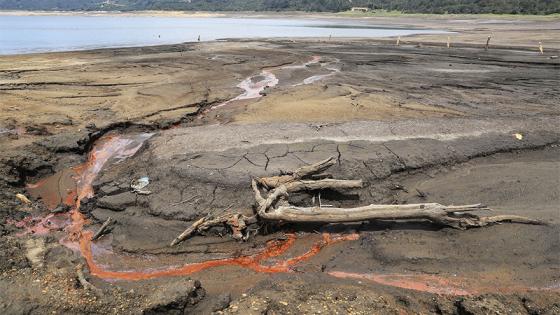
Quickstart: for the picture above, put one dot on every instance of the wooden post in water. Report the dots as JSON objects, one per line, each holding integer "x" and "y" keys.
{"x": 487, "y": 43}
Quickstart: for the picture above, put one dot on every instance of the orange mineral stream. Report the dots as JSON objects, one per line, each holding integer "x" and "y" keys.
{"x": 113, "y": 149}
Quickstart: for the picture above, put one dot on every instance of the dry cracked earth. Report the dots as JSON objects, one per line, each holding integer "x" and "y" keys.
{"x": 416, "y": 123}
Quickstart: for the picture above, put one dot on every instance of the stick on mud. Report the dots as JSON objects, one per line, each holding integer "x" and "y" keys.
{"x": 188, "y": 232}
{"x": 83, "y": 282}
{"x": 102, "y": 229}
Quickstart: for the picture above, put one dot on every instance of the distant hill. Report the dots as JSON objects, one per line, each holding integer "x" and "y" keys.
{"x": 48, "y": 5}
{"x": 407, "y": 6}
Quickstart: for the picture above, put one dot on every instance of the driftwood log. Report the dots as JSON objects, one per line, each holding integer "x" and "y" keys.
{"x": 275, "y": 206}
{"x": 235, "y": 221}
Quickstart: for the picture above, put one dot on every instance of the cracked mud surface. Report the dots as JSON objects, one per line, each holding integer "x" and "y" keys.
{"x": 417, "y": 124}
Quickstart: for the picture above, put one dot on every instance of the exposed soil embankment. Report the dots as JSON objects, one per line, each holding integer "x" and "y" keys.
{"x": 197, "y": 121}
{"x": 192, "y": 180}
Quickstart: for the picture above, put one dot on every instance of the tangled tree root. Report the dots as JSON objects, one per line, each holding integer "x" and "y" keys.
{"x": 275, "y": 206}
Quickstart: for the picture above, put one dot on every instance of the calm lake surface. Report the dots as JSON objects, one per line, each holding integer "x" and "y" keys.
{"x": 27, "y": 34}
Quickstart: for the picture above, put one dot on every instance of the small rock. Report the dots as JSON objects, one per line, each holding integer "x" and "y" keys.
{"x": 117, "y": 202}
{"x": 221, "y": 302}
{"x": 109, "y": 189}
{"x": 37, "y": 130}
{"x": 87, "y": 204}
{"x": 61, "y": 208}
{"x": 64, "y": 142}
{"x": 173, "y": 298}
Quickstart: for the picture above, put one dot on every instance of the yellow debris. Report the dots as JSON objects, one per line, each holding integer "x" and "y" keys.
{"x": 23, "y": 199}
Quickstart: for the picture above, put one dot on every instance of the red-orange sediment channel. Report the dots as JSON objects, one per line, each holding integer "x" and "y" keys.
{"x": 440, "y": 284}
{"x": 418, "y": 282}
{"x": 254, "y": 262}
{"x": 113, "y": 147}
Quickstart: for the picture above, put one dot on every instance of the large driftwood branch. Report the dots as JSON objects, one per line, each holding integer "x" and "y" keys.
{"x": 433, "y": 212}
{"x": 275, "y": 206}
{"x": 335, "y": 215}
{"x": 270, "y": 209}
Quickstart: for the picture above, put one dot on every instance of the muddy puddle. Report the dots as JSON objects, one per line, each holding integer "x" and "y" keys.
{"x": 254, "y": 86}
{"x": 69, "y": 187}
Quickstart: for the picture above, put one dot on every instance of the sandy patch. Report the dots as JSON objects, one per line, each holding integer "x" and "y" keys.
{"x": 318, "y": 102}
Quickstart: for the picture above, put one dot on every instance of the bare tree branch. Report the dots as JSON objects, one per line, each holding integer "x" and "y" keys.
{"x": 275, "y": 206}
{"x": 323, "y": 184}
{"x": 190, "y": 230}
{"x": 302, "y": 172}
{"x": 434, "y": 212}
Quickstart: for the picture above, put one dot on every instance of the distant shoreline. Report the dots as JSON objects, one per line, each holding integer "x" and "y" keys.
{"x": 528, "y": 33}
{"x": 283, "y": 14}
{"x": 114, "y": 13}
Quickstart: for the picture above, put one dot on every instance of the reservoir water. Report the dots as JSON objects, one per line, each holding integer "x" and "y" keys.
{"x": 42, "y": 33}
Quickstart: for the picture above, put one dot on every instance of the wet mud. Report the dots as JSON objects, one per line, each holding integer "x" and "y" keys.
{"x": 417, "y": 124}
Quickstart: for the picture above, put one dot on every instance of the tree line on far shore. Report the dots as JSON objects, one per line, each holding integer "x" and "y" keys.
{"x": 405, "y": 6}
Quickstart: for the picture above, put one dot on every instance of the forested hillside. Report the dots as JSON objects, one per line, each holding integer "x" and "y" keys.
{"x": 407, "y": 6}
{"x": 465, "y": 6}
{"x": 50, "y": 4}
